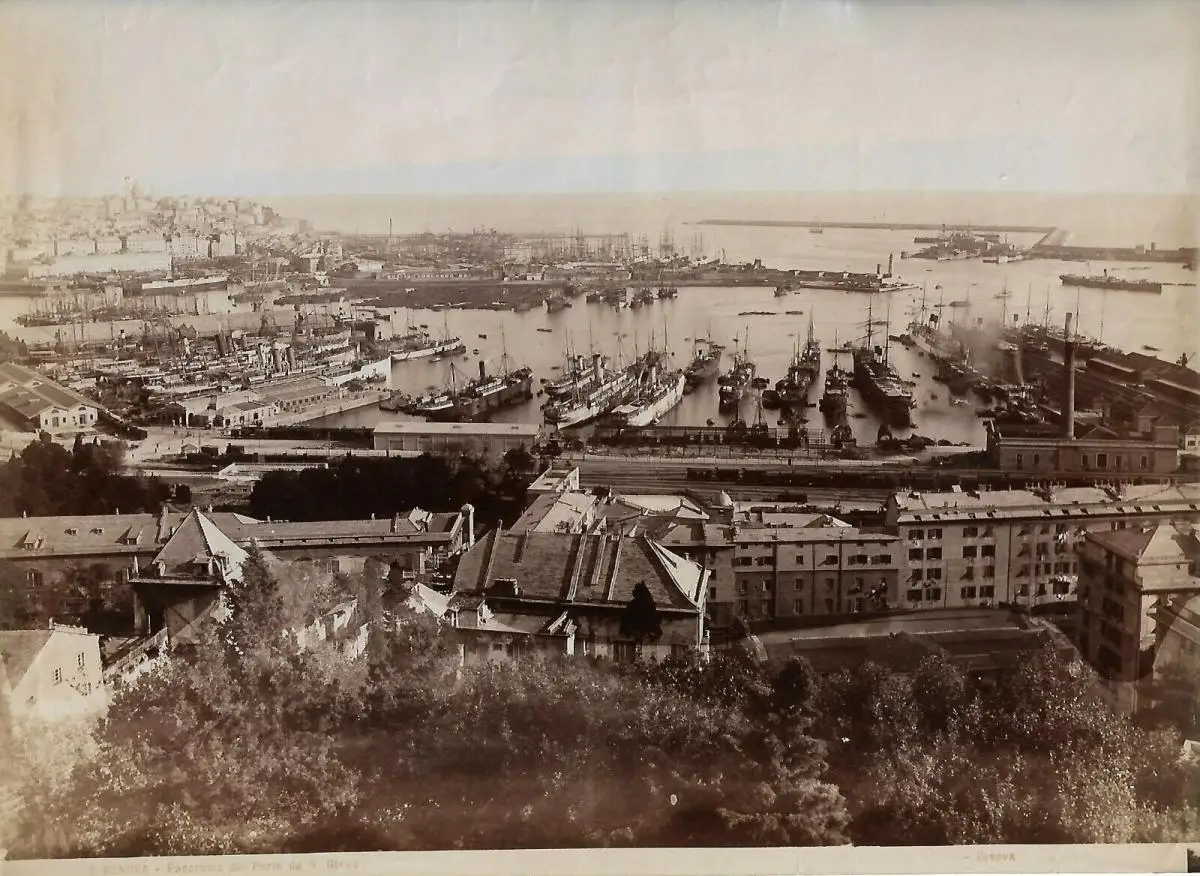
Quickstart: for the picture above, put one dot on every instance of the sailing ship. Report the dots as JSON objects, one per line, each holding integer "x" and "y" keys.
{"x": 881, "y": 387}
{"x": 733, "y": 382}
{"x": 801, "y": 374}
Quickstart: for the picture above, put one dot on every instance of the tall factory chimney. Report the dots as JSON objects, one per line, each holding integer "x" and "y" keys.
{"x": 1068, "y": 404}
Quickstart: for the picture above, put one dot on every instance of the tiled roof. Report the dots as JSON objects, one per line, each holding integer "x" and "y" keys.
{"x": 18, "y": 649}
{"x": 577, "y": 568}
{"x": 195, "y": 540}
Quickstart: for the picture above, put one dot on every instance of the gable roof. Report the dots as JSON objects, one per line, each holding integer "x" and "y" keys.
{"x": 19, "y": 648}
{"x": 592, "y": 569}
{"x": 196, "y": 540}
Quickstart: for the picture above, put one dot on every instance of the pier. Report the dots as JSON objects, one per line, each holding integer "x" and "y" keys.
{"x": 882, "y": 226}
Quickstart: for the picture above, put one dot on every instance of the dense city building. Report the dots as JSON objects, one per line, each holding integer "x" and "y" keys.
{"x": 1136, "y": 602}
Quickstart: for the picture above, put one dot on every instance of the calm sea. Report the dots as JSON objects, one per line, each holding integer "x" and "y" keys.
{"x": 1127, "y": 320}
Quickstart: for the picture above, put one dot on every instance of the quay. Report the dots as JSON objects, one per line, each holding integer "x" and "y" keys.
{"x": 879, "y": 226}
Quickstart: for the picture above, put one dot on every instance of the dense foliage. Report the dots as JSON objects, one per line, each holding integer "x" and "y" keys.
{"x": 358, "y": 487}
{"x": 247, "y": 742}
{"x": 46, "y": 479}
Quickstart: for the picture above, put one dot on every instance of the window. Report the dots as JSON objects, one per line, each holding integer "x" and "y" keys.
{"x": 1036, "y": 459}
{"x": 1144, "y": 462}
{"x": 1020, "y": 460}
{"x": 742, "y": 561}
{"x": 829, "y": 605}
{"x": 797, "y": 606}
{"x": 987, "y": 591}
{"x": 968, "y": 592}
{"x": 1085, "y": 462}
{"x": 935, "y": 534}
{"x": 712, "y": 593}
{"x": 989, "y": 571}
{"x": 829, "y": 560}
{"x": 1101, "y": 460}
{"x": 81, "y": 660}
{"x": 799, "y": 559}
{"x": 918, "y": 574}
{"x": 57, "y": 676}
{"x": 35, "y": 578}
{"x": 915, "y": 554}
{"x": 933, "y": 594}
{"x": 970, "y": 531}
{"x": 765, "y": 587}
{"x": 742, "y": 587}
{"x": 882, "y": 559}
{"x": 935, "y": 574}
{"x": 1060, "y": 528}
{"x": 916, "y": 534}
{"x": 969, "y": 552}
{"x": 762, "y": 561}
{"x": 913, "y": 596}
{"x": 933, "y": 554}
{"x": 829, "y": 584}
{"x": 743, "y": 607}
{"x": 766, "y": 608}
{"x": 987, "y": 550}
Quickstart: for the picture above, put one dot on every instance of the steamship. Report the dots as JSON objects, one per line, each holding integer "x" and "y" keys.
{"x": 605, "y": 391}
{"x": 806, "y": 365}
{"x": 881, "y": 387}
{"x": 419, "y": 344}
{"x": 658, "y": 391}
{"x": 479, "y": 397}
{"x": 1104, "y": 281}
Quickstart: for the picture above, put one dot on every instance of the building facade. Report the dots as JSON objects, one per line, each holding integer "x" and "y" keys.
{"x": 32, "y": 401}
{"x": 967, "y": 549}
{"x": 817, "y": 567}
{"x": 51, "y": 674}
{"x": 1134, "y": 583}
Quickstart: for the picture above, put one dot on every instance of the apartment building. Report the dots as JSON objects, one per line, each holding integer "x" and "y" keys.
{"x": 1135, "y": 584}
{"x": 1015, "y": 546}
{"x": 813, "y": 566}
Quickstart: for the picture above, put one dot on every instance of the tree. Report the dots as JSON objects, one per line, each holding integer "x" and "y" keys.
{"x": 640, "y": 619}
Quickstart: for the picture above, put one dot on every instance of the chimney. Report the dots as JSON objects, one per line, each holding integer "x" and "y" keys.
{"x": 1068, "y": 405}
{"x": 469, "y": 515}
{"x": 395, "y": 523}
{"x": 162, "y": 524}
{"x": 597, "y": 367}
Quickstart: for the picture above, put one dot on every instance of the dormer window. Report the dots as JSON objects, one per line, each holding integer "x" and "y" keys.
{"x": 71, "y": 530}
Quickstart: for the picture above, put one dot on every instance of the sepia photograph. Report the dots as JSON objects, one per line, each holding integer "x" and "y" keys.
{"x": 684, "y": 428}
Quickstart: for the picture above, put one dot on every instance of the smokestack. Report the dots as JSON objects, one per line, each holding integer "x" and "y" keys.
{"x": 482, "y": 370}
{"x": 469, "y": 523}
{"x": 890, "y": 256}
{"x": 597, "y": 366}
{"x": 1068, "y": 407}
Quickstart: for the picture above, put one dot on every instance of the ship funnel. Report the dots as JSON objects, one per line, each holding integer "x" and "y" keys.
{"x": 597, "y": 366}
{"x": 1068, "y": 408}
{"x": 482, "y": 370}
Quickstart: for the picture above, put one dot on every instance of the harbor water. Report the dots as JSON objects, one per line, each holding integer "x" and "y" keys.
{"x": 733, "y": 317}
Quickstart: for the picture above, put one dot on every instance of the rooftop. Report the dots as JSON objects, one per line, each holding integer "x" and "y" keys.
{"x": 18, "y": 649}
{"x": 580, "y": 568}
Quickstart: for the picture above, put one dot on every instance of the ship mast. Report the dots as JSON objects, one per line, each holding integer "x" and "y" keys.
{"x": 503, "y": 351}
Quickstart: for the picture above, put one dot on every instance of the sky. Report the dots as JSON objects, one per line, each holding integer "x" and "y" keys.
{"x": 451, "y": 97}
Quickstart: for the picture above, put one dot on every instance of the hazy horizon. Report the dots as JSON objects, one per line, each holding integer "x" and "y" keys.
{"x": 512, "y": 98}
